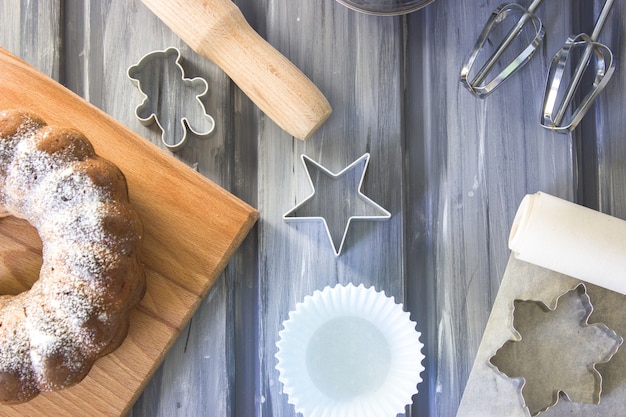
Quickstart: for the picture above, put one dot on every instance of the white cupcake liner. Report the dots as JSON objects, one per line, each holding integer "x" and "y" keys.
{"x": 349, "y": 351}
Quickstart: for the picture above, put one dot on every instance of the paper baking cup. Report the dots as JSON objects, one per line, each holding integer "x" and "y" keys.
{"x": 349, "y": 351}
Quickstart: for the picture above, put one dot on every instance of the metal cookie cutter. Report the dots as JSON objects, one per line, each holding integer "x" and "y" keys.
{"x": 336, "y": 200}
{"x": 556, "y": 351}
{"x": 482, "y": 83}
{"x": 171, "y": 100}
{"x": 563, "y": 83}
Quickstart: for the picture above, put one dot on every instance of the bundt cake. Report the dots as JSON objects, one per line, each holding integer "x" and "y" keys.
{"x": 91, "y": 274}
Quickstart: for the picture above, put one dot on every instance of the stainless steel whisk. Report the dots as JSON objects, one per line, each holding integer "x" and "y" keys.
{"x": 559, "y": 96}
{"x": 476, "y": 84}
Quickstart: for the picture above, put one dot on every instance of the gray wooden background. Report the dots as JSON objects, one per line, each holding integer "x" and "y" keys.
{"x": 450, "y": 168}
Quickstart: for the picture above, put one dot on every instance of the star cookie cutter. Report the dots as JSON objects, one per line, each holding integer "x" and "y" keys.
{"x": 171, "y": 100}
{"x": 338, "y": 208}
{"x": 560, "y": 353}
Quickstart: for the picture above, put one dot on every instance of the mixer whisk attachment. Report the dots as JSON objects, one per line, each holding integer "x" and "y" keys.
{"x": 519, "y": 26}
{"x": 563, "y": 83}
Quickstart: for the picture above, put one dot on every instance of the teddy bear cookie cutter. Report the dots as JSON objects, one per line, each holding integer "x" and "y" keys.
{"x": 171, "y": 100}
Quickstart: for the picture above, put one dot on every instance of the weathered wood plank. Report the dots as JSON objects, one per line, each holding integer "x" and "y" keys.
{"x": 34, "y": 32}
{"x": 470, "y": 163}
{"x": 356, "y": 62}
{"x": 608, "y": 122}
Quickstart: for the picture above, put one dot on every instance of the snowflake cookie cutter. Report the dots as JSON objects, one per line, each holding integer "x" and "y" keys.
{"x": 171, "y": 100}
{"x": 557, "y": 361}
{"x": 337, "y": 209}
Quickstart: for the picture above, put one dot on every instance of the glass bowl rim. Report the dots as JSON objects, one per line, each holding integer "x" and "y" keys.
{"x": 398, "y": 10}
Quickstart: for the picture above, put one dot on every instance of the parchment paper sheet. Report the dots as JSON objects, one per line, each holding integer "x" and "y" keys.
{"x": 571, "y": 239}
{"x": 489, "y": 393}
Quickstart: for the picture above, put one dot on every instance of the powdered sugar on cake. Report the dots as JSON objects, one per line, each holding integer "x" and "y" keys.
{"x": 50, "y": 335}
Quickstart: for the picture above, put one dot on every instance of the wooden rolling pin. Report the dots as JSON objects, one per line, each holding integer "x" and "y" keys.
{"x": 217, "y": 30}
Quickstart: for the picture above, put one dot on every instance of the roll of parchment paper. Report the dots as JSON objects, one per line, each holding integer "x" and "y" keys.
{"x": 571, "y": 239}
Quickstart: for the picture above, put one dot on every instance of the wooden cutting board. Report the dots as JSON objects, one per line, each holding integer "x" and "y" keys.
{"x": 192, "y": 227}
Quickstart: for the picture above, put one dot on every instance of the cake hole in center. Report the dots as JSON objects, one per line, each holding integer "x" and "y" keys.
{"x": 20, "y": 255}
{"x": 347, "y": 357}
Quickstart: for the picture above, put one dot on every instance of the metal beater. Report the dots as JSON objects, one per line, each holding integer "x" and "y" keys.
{"x": 477, "y": 84}
{"x": 559, "y": 96}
